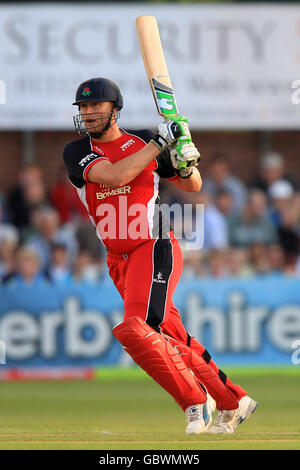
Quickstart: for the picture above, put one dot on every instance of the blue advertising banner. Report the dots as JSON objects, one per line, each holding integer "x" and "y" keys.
{"x": 240, "y": 322}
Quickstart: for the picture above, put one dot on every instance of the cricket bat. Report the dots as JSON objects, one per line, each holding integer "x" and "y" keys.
{"x": 155, "y": 66}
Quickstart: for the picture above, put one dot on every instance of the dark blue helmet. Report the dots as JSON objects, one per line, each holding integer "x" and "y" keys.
{"x": 99, "y": 89}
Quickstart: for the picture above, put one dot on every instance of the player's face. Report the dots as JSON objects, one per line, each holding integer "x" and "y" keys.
{"x": 95, "y": 114}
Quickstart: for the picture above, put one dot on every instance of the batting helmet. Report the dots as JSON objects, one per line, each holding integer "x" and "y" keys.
{"x": 99, "y": 89}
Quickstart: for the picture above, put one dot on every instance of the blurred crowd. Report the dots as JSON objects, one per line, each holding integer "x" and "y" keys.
{"x": 253, "y": 230}
{"x": 248, "y": 230}
{"x": 46, "y": 235}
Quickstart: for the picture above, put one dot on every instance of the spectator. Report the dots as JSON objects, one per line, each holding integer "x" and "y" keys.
{"x": 4, "y": 213}
{"x": 27, "y": 268}
{"x": 88, "y": 240}
{"x": 194, "y": 262}
{"x": 259, "y": 258}
{"x": 224, "y": 203}
{"x": 289, "y": 242}
{"x": 288, "y": 233}
{"x": 220, "y": 177}
{"x": 238, "y": 261}
{"x": 65, "y": 199}
{"x": 45, "y": 221}
{"x": 213, "y": 224}
{"x": 276, "y": 259}
{"x": 29, "y": 194}
{"x": 86, "y": 270}
{"x": 254, "y": 224}
{"x": 217, "y": 264}
{"x": 58, "y": 271}
{"x": 9, "y": 240}
{"x": 5, "y": 226}
{"x": 28, "y": 265}
{"x": 215, "y": 227}
{"x": 281, "y": 195}
{"x": 71, "y": 210}
{"x": 272, "y": 169}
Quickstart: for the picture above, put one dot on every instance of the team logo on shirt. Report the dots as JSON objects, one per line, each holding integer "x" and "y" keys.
{"x": 127, "y": 144}
{"x": 159, "y": 278}
{"x": 109, "y": 191}
{"x": 86, "y": 159}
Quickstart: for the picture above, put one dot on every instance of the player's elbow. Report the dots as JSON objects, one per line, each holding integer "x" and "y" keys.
{"x": 120, "y": 181}
{"x": 198, "y": 186}
{"x": 105, "y": 175}
{"x": 194, "y": 185}
{"x": 116, "y": 180}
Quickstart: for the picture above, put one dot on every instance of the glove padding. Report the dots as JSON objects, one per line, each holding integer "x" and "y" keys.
{"x": 184, "y": 154}
{"x": 170, "y": 130}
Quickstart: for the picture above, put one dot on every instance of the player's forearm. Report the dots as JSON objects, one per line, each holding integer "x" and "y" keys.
{"x": 192, "y": 184}
{"x": 122, "y": 172}
{"x": 128, "y": 168}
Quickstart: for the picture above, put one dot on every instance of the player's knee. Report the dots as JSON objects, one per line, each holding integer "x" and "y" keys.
{"x": 131, "y": 331}
{"x": 136, "y": 309}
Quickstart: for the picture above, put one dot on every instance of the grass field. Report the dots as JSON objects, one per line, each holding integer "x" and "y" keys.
{"x": 121, "y": 411}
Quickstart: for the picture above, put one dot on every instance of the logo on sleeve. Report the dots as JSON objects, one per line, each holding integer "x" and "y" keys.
{"x": 88, "y": 158}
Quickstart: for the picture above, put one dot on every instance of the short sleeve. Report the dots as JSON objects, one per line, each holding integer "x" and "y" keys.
{"x": 79, "y": 158}
{"x": 163, "y": 161}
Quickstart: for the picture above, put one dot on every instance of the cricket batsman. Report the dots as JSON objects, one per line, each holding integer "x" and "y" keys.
{"x": 116, "y": 174}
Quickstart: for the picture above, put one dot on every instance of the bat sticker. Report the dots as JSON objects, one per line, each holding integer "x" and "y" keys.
{"x": 165, "y": 99}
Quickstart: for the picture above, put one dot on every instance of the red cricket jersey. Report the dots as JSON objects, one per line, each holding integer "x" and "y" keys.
{"x": 127, "y": 216}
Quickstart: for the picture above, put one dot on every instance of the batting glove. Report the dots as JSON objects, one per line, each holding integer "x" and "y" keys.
{"x": 184, "y": 154}
{"x": 170, "y": 130}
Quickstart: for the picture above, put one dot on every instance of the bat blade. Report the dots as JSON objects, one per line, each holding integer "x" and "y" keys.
{"x": 155, "y": 66}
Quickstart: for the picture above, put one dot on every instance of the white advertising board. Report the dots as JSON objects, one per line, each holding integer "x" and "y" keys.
{"x": 232, "y": 67}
